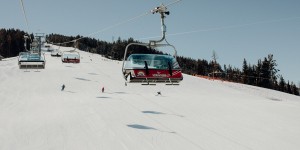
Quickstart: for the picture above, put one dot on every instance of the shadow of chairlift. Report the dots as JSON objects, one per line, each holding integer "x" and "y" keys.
{"x": 167, "y": 83}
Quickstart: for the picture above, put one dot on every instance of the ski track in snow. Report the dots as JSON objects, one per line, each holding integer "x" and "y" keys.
{"x": 198, "y": 114}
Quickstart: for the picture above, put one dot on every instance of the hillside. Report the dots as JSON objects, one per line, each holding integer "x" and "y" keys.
{"x": 199, "y": 114}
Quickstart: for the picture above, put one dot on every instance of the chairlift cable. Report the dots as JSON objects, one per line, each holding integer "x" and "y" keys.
{"x": 107, "y": 28}
{"x": 25, "y": 16}
{"x": 168, "y": 5}
{"x": 117, "y": 24}
{"x": 224, "y": 27}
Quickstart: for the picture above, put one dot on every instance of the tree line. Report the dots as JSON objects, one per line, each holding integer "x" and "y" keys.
{"x": 11, "y": 42}
{"x": 113, "y": 50}
{"x": 263, "y": 74}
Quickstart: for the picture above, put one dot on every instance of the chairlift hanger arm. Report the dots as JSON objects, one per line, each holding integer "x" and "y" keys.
{"x": 163, "y": 11}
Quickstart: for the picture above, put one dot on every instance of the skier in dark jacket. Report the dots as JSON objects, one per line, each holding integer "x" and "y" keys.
{"x": 63, "y": 87}
{"x": 158, "y": 93}
{"x": 102, "y": 89}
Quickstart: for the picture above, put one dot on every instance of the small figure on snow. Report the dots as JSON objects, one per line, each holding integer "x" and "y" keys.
{"x": 63, "y": 87}
{"x": 102, "y": 89}
{"x": 158, "y": 93}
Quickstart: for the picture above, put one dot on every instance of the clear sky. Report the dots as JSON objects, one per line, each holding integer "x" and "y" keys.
{"x": 234, "y": 29}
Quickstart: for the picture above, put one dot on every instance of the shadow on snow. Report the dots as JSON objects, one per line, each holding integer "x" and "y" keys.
{"x": 137, "y": 126}
{"x": 93, "y": 73}
{"x": 102, "y": 97}
{"x": 142, "y": 127}
{"x": 82, "y": 79}
{"x": 153, "y": 112}
{"x": 160, "y": 113}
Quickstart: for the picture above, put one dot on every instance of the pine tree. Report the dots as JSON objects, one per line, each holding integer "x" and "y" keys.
{"x": 288, "y": 88}
{"x": 282, "y": 84}
{"x": 251, "y": 75}
{"x": 258, "y": 73}
{"x": 266, "y": 74}
{"x": 273, "y": 71}
{"x": 214, "y": 64}
{"x": 294, "y": 89}
{"x": 245, "y": 72}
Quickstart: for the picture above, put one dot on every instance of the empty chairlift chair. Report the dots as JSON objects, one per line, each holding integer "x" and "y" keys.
{"x": 29, "y": 60}
{"x": 33, "y": 59}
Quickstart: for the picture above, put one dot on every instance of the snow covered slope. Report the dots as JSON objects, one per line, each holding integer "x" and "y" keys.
{"x": 197, "y": 115}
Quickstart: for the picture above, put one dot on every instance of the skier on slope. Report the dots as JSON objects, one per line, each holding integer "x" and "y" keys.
{"x": 102, "y": 89}
{"x": 63, "y": 87}
{"x": 158, "y": 93}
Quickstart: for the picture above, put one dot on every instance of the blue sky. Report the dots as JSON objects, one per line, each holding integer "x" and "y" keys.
{"x": 234, "y": 29}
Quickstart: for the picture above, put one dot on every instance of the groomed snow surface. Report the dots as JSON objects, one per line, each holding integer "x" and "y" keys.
{"x": 197, "y": 115}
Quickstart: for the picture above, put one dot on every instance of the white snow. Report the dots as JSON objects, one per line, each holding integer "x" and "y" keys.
{"x": 197, "y": 115}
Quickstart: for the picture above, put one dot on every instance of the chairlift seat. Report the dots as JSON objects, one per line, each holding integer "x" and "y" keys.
{"x": 70, "y": 57}
{"x": 156, "y": 71}
{"x": 31, "y": 61}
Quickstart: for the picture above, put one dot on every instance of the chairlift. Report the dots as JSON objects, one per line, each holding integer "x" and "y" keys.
{"x": 29, "y": 60}
{"x": 56, "y": 52}
{"x": 32, "y": 59}
{"x": 70, "y": 57}
{"x": 149, "y": 69}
